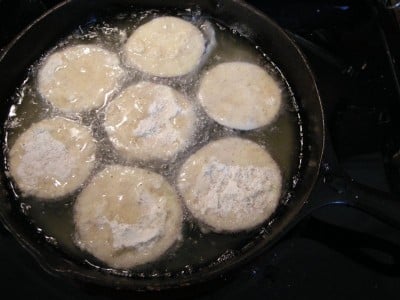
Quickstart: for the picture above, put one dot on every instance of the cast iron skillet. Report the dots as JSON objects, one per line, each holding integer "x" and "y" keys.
{"x": 315, "y": 188}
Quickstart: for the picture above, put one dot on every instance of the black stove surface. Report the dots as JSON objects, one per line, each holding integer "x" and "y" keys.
{"x": 338, "y": 253}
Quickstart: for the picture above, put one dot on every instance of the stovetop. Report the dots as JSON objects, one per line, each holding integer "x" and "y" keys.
{"x": 338, "y": 253}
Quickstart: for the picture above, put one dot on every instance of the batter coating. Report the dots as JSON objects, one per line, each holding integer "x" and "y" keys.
{"x": 165, "y": 46}
{"x": 52, "y": 158}
{"x": 127, "y": 216}
{"x": 150, "y": 121}
{"x": 231, "y": 184}
{"x": 79, "y": 78}
{"x": 240, "y": 95}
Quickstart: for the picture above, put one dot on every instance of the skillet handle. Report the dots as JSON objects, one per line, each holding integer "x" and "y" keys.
{"x": 384, "y": 257}
{"x": 381, "y": 205}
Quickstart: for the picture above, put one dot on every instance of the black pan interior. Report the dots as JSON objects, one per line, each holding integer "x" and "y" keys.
{"x": 46, "y": 33}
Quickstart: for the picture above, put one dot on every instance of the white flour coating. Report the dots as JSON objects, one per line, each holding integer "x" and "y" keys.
{"x": 240, "y": 95}
{"x": 165, "y": 46}
{"x": 44, "y": 156}
{"x": 230, "y": 184}
{"x": 52, "y": 158}
{"x": 79, "y": 78}
{"x": 146, "y": 230}
{"x": 150, "y": 121}
{"x": 232, "y": 189}
{"x": 164, "y": 108}
{"x": 127, "y": 216}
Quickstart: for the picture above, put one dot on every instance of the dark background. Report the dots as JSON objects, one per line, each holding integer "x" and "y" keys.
{"x": 338, "y": 253}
